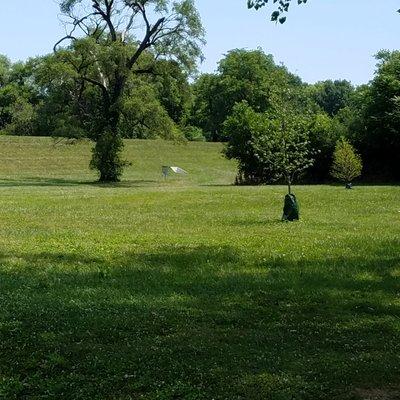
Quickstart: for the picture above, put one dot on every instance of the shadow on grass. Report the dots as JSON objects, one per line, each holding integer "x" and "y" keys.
{"x": 50, "y": 182}
{"x": 196, "y": 323}
{"x": 37, "y": 181}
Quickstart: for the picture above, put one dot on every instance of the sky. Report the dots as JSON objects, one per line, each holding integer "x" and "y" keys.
{"x": 324, "y": 39}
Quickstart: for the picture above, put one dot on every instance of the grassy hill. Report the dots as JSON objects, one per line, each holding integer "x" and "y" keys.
{"x": 192, "y": 288}
{"x": 44, "y": 159}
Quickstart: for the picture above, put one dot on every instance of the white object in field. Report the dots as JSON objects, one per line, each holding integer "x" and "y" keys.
{"x": 176, "y": 170}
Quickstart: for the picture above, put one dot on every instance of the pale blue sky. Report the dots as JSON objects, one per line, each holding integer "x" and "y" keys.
{"x": 326, "y": 39}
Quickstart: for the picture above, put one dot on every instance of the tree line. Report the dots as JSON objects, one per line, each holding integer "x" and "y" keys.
{"x": 43, "y": 97}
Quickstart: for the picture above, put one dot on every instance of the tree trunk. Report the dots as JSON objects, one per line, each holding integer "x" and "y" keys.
{"x": 291, "y": 206}
{"x": 289, "y": 183}
{"x": 106, "y": 158}
{"x": 109, "y": 144}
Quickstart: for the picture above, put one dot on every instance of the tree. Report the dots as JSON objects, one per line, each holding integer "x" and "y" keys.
{"x": 241, "y": 127}
{"x": 269, "y": 146}
{"x": 243, "y": 75}
{"x": 5, "y": 66}
{"x": 173, "y": 90}
{"x": 284, "y": 148}
{"x": 121, "y": 39}
{"x": 143, "y": 116}
{"x": 347, "y": 164}
{"x": 371, "y": 119}
{"x": 380, "y": 141}
{"x": 68, "y": 110}
{"x": 18, "y": 98}
{"x": 283, "y": 145}
{"x": 206, "y": 111}
{"x": 323, "y": 135}
{"x": 332, "y": 96}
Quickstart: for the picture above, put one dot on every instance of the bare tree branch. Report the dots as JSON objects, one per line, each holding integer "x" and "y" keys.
{"x": 68, "y": 37}
{"x": 107, "y": 15}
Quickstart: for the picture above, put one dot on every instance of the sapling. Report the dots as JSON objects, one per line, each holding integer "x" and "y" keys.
{"x": 347, "y": 164}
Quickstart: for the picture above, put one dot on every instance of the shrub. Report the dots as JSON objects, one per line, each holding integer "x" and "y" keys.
{"x": 347, "y": 164}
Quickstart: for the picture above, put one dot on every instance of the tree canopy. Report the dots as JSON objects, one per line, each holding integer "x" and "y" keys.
{"x": 242, "y": 75}
{"x": 380, "y": 140}
{"x": 269, "y": 146}
{"x": 332, "y": 96}
{"x": 347, "y": 164}
{"x": 50, "y": 95}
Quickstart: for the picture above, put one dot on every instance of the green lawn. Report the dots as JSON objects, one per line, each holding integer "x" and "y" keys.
{"x": 191, "y": 288}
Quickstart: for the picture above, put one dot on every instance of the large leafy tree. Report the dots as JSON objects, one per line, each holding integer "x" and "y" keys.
{"x": 332, "y": 96}
{"x": 380, "y": 141}
{"x": 121, "y": 38}
{"x": 242, "y": 75}
{"x": 269, "y": 146}
{"x": 173, "y": 90}
{"x": 18, "y": 97}
{"x": 242, "y": 126}
{"x": 323, "y": 135}
{"x": 208, "y": 107}
{"x": 5, "y": 67}
{"x": 71, "y": 110}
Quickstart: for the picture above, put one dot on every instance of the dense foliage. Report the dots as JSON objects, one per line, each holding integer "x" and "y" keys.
{"x": 275, "y": 144}
{"x": 367, "y": 116}
{"x": 42, "y": 97}
{"x": 347, "y": 164}
{"x": 250, "y": 76}
{"x": 379, "y": 138}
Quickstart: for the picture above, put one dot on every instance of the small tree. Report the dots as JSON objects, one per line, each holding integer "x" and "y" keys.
{"x": 277, "y": 140}
{"x": 283, "y": 146}
{"x": 347, "y": 164}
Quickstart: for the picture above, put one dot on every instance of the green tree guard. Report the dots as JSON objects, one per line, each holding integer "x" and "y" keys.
{"x": 291, "y": 209}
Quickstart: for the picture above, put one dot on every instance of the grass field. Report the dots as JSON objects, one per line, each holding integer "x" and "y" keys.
{"x": 191, "y": 288}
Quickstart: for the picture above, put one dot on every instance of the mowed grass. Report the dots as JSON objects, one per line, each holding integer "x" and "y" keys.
{"x": 191, "y": 288}
{"x": 44, "y": 161}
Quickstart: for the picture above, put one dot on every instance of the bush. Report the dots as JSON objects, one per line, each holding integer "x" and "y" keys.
{"x": 347, "y": 164}
{"x": 194, "y": 134}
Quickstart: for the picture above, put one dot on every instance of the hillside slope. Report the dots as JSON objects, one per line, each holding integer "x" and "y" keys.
{"x": 31, "y": 159}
